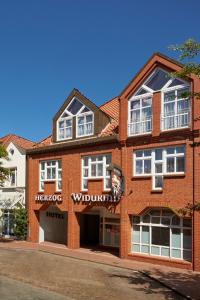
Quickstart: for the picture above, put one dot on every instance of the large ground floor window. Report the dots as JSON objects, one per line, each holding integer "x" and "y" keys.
{"x": 160, "y": 232}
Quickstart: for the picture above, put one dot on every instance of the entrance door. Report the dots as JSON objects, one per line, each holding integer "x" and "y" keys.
{"x": 89, "y": 229}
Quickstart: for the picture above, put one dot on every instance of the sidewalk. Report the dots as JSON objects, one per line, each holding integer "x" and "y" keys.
{"x": 184, "y": 282}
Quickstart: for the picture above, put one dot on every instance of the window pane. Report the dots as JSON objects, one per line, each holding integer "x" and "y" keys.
{"x": 61, "y": 124}
{"x": 158, "y": 168}
{"x": 180, "y": 149}
{"x": 68, "y": 132}
{"x": 42, "y": 175}
{"x": 176, "y": 237}
{"x": 145, "y": 234}
{"x": 160, "y": 236}
{"x": 135, "y": 104}
{"x": 147, "y": 152}
{"x": 145, "y": 249}
{"x": 108, "y": 159}
{"x": 89, "y": 118}
{"x": 93, "y": 170}
{"x": 170, "y": 96}
{"x": 136, "y": 234}
{"x": 85, "y": 183}
{"x": 146, "y": 113}
{"x": 180, "y": 164}
{"x": 100, "y": 170}
{"x": 155, "y": 220}
{"x": 48, "y": 173}
{"x": 135, "y": 116}
{"x": 136, "y": 220}
{"x": 155, "y": 250}
{"x": 187, "y": 222}
{"x": 187, "y": 255}
{"x": 175, "y": 220}
{"x": 169, "y": 109}
{"x": 136, "y": 248}
{"x": 139, "y": 167}
{"x": 146, "y": 102}
{"x": 158, "y": 154}
{"x": 170, "y": 164}
{"x": 164, "y": 251}
{"x": 139, "y": 153}
{"x": 75, "y": 106}
{"x": 187, "y": 239}
{"x": 85, "y": 172}
{"x": 165, "y": 221}
{"x": 170, "y": 150}
{"x": 68, "y": 123}
{"x": 60, "y": 185}
{"x": 183, "y": 93}
{"x": 176, "y": 253}
{"x": 146, "y": 218}
{"x": 159, "y": 182}
{"x": 53, "y": 173}
{"x": 85, "y": 161}
{"x": 158, "y": 80}
{"x": 147, "y": 166}
{"x": 80, "y": 120}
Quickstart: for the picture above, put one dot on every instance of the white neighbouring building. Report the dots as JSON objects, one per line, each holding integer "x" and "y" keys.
{"x": 13, "y": 191}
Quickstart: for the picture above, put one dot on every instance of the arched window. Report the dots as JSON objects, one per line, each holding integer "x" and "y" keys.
{"x": 84, "y": 121}
{"x": 161, "y": 232}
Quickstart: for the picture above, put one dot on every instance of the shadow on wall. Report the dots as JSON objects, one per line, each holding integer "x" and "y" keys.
{"x": 187, "y": 284}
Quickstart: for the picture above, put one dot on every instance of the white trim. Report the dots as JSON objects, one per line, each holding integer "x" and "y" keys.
{"x": 56, "y": 179}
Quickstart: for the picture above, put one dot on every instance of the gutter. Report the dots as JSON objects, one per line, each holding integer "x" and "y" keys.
{"x": 75, "y": 144}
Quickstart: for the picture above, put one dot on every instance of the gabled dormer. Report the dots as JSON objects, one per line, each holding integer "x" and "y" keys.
{"x": 78, "y": 118}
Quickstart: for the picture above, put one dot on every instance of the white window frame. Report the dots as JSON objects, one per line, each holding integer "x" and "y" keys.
{"x": 58, "y": 128}
{"x": 72, "y": 116}
{"x": 153, "y": 173}
{"x": 167, "y": 89}
{"x": 85, "y": 123}
{"x": 181, "y": 227}
{"x": 14, "y": 170}
{"x": 56, "y": 179}
{"x": 140, "y": 97}
{"x": 89, "y": 167}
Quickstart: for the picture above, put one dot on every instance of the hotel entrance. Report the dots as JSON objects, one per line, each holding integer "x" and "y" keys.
{"x": 53, "y": 225}
{"x": 99, "y": 228}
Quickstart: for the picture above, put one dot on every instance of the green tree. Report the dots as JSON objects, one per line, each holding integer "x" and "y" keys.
{"x": 3, "y": 171}
{"x": 21, "y": 221}
{"x": 188, "y": 51}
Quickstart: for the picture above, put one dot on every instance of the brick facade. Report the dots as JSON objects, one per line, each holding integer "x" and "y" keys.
{"x": 178, "y": 190}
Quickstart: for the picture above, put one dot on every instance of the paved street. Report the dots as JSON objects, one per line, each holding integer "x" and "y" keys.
{"x": 37, "y": 273}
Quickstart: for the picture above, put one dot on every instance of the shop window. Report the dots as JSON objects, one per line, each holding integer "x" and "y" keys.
{"x": 51, "y": 170}
{"x": 160, "y": 232}
{"x": 84, "y": 121}
{"x": 96, "y": 166}
{"x": 159, "y": 162}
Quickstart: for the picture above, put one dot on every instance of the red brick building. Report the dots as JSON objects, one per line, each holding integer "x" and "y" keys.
{"x": 151, "y": 131}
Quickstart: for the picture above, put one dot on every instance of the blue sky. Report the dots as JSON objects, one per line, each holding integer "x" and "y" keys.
{"x": 49, "y": 47}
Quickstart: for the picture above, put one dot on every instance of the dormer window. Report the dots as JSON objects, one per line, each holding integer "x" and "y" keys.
{"x": 175, "y": 111}
{"x": 84, "y": 121}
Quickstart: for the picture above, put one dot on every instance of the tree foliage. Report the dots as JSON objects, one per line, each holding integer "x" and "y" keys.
{"x": 3, "y": 171}
{"x": 21, "y": 220}
{"x": 189, "y": 51}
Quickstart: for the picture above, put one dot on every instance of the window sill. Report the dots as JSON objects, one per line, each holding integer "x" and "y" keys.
{"x": 161, "y": 258}
{"x": 174, "y": 175}
{"x": 139, "y": 134}
{"x": 174, "y": 129}
{"x": 157, "y": 191}
{"x": 141, "y": 177}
